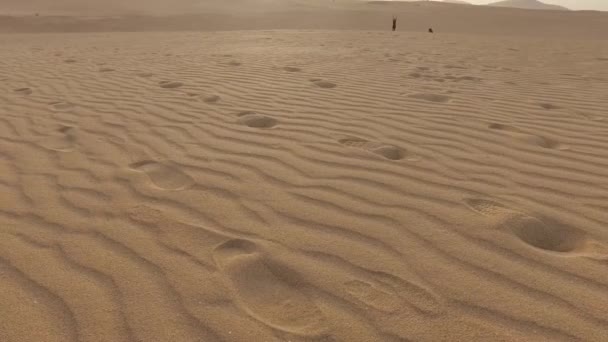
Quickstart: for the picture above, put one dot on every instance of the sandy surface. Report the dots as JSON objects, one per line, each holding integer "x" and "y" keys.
{"x": 303, "y": 185}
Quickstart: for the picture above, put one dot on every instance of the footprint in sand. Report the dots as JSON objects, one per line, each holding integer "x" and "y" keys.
{"x": 437, "y": 98}
{"x": 267, "y": 291}
{"x": 145, "y": 74}
{"x": 540, "y": 233}
{"x": 548, "y": 106}
{"x": 454, "y": 66}
{"x": 292, "y": 69}
{"x": 163, "y": 175}
{"x": 255, "y": 120}
{"x": 486, "y": 207}
{"x": 387, "y": 151}
{"x": 106, "y": 70}
{"x": 462, "y": 78}
{"x": 170, "y": 84}
{"x": 389, "y": 294}
{"x": 235, "y": 63}
{"x": 63, "y": 140}
{"x": 547, "y": 236}
{"x": 24, "y": 91}
{"x": 528, "y": 138}
{"x": 211, "y": 99}
{"x": 60, "y": 105}
{"x": 323, "y": 84}
{"x": 69, "y": 61}
{"x": 378, "y": 298}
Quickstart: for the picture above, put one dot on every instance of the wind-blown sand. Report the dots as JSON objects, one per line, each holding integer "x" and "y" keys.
{"x": 303, "y": 185}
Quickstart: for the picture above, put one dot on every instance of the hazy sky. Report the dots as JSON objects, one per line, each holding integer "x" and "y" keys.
{"x": 601, "y": 5}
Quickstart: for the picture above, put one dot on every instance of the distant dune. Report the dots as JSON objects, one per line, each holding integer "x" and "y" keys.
{"x": 528, "y": 4}
{"x": 460, "y": 2}
{"x": 341, "y": 15}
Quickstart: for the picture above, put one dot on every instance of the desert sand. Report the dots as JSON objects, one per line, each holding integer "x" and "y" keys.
{"x": 314, "y": 183}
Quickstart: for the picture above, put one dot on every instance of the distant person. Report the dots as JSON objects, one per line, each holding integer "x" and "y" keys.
{"x": 394, "y": 23}
{"x": 431, "y": 30}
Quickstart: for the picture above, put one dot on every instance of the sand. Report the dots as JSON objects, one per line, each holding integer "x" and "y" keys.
{"x": 303, "y": 185}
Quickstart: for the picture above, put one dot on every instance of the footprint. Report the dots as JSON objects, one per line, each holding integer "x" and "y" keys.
{"x": 170, "y": 84}
{"x": 254, "y": 120}
{"x": 453, "y": 66}
{"x": 548, "y": 236}
{"x": 528, "y": 138}
{"x": 323, "y": 84}
{"x": 384, "y": 150}
{"x": 266, "y": 291}
{"x": 503, "y": 127}
{"x": 61, "y": 105}
{"x": 106, "y": 70}
{"x": 292, "y": 69}
{"x": 70, "y": 60}
{"x": 145, "y": 74}
{"x": 164, "y": 176}
{"x": 542, "y": 142}
{"x": 391, "y": 294}
{"x": 24, "y": 91}
{"x": 64, "y": 140}
{"x": 211, "y": 99}
{"x": 377, "y": 298}
{"x": 548, "y": 106}
{"x": 486, "y": 207}
{"x": 235, "y": 63}
{"x": 542, "y": 234}
{"x": 462, "y": 78}
{"x": 431, "y": 97}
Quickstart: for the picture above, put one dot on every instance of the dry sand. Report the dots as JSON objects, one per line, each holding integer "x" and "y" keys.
{"x": 305, "y": 185}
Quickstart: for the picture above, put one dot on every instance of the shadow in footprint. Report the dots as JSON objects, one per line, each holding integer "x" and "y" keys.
{"x": 23, "y": 91}
{"x": 437, "y": 98}
{"x": 63, "y": 140}
{"x": 254, "y": 120}
{"x": 548, "y": 106}
{"x": 170, "y": 84}
{"x": 386, "y": 151}
{"x": 546, "y": 235}
{"x": 267, "y": 291}
{"x": 292, "y": 69}
{"x": 164, "y": 176}
{"x": 323, "y": 84}
{"x": 211, "y": 99}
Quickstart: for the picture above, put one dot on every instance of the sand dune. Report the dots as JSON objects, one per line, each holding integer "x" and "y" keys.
{"x": 303, "y": 185}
